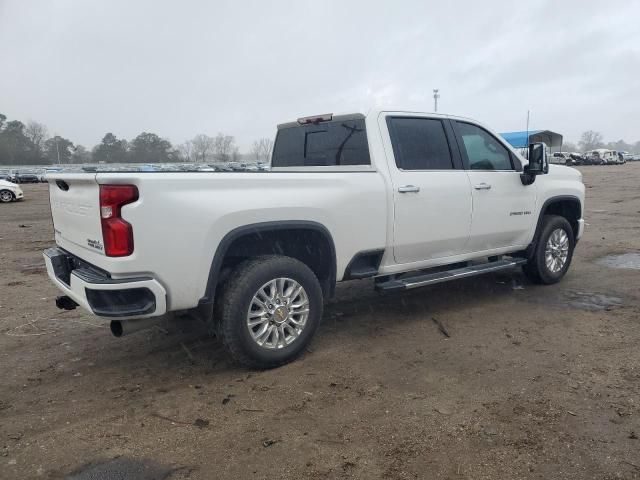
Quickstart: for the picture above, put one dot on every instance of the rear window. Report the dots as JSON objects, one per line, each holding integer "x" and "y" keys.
{"x": 342, "y": 142}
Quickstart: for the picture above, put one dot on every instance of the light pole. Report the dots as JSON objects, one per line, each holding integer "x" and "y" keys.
{"x": 57, "y": 149}
{"x": 436, "y": 96}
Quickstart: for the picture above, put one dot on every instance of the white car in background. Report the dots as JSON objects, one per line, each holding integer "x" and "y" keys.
{"x": 607, "y": 157}
{"x": 603, "y": 156}
{"x": 561, "y": 158}
{"x": 10, "y": 192}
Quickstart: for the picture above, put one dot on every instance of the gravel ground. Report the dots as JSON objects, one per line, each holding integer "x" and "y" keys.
{"x": 532, "y": 382}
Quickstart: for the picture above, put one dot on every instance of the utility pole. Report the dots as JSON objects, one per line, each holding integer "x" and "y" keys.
{"x": 57, "y": 149}
{"x": 436, "y": 96}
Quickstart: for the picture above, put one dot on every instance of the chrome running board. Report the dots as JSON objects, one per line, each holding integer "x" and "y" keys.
{"x": 421, "y": 279}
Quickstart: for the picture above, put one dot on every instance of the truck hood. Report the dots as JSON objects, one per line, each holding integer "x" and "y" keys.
{"x": 561, "y": 171}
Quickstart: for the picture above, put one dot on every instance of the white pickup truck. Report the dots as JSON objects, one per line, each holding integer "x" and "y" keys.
{"x": 408, "y": 199}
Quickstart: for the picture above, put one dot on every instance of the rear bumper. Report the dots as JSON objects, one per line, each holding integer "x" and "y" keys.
{"x": 95, "y": 290}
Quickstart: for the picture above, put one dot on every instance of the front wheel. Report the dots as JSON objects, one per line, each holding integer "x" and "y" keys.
{"x": 553, "y": 252}
{"x": 271, "y": 307}
{"x": 6, "y": 196}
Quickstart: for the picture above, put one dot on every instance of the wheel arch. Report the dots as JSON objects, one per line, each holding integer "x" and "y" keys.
{"x": 276, "y": 237}
{"x": 567, "y": 206}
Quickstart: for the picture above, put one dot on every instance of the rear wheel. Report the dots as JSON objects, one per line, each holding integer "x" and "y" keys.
{"x": 6, "y": 196}
{"x": 270, "y": 308}
{"x": 552, "y": 255}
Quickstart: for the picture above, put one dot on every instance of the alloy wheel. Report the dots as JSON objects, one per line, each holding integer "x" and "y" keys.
{"x": 557, "y": 250}
{"x": 278, "y": 313}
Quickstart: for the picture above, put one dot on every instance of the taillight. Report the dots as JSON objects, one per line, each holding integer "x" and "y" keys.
{"x": 117, "y": 234}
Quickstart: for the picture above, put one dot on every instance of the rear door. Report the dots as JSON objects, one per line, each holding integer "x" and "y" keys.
{"x": 502, "y": 205}
{"x": 432, "y": 199}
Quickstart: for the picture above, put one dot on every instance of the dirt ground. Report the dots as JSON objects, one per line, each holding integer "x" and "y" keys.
{"x": 533, "y": 382}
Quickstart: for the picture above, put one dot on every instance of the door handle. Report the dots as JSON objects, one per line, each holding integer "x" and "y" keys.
{"x": 408, "y": 189}
{"x": 482, "y": 186}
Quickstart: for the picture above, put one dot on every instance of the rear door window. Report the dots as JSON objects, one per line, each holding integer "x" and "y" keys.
{"x": 342, "y": 142}
{"x": 419, "y": 143}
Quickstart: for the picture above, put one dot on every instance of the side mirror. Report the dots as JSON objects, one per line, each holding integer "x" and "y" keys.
{"x": 538, "y": 162}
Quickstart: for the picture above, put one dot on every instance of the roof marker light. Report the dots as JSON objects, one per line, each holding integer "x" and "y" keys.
{"x": 326, "y": 117}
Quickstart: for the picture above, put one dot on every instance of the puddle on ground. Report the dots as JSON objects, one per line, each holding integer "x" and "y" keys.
{"x": 592, "y": 302}
{"x": 121, "y": 469}
{"x": 624, "y": 260}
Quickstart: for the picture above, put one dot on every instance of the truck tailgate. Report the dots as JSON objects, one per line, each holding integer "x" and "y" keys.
{"x": 75, "y": 210}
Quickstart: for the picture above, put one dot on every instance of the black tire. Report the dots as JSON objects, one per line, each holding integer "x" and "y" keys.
{"x": 235, "y": 299}
{"x": 6, "y": 196}
{"x": 536, "y": 268}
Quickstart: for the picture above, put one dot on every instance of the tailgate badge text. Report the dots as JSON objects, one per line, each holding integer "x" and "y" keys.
{"x": 95, "y": 244}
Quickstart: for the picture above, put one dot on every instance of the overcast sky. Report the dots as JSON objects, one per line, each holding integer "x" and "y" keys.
{"x": 180, "y": 68}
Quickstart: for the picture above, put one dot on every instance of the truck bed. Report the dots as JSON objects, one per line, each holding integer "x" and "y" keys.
{"x": 181, "y": 218}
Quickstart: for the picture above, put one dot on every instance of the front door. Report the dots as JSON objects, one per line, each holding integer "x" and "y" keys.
{"x": 502, "y": 206}
{"x": 432, "y": 198}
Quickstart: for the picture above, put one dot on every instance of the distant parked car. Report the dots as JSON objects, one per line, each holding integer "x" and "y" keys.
{"x": 608, "y": 157}
{"x": 237, "y": 166}
{"x": 9, "y": 192}
{"x": 595, "y": 157}
{"x": 588, "y": 158}
{"x": 577, "y": 158}
{"x": 561, "y": 158}
{"x": 42, "y": 175}
{"x": 27, "y": 177}
{"x": 613, "y": 157}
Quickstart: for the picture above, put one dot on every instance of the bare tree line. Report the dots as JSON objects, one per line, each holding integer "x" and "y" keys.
{"x": 203, "y": 148}
{"x": 262, "y": 149}
{"x": 222, "y": 148}
{"x": 590, "y": 140}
